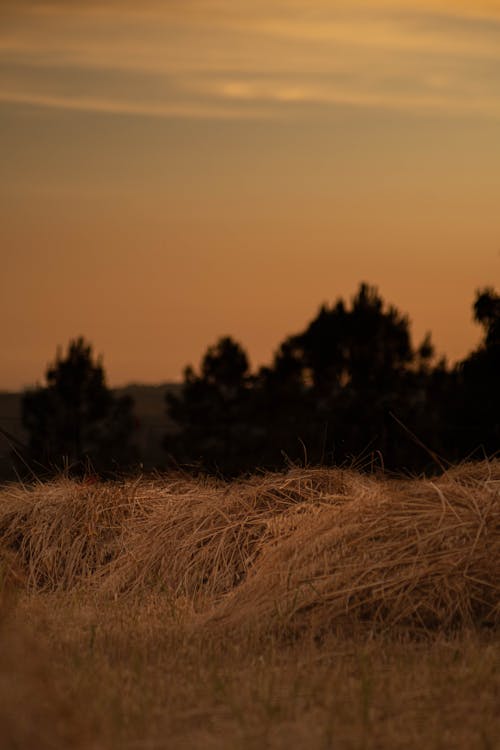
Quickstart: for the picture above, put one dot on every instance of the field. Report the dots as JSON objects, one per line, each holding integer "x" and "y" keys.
{"x": 321, "y": 608}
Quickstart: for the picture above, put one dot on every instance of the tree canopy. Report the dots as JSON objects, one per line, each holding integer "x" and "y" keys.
{"x": 327, "y": 394}
{"x": 479, "y": 377}
{"x": 74, "y": 420}
{"x": 351, "y": 386}
{"x": 212, "y": 411}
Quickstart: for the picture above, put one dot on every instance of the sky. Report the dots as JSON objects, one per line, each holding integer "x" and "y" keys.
{"x": 176, "y": 171}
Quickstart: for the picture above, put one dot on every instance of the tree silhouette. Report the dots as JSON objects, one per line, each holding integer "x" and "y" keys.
{"x": 479, "y": 381}
{"x": 487, "y": 313}
{"x": 328, "y": 395}
{"x": 351, "y": 385}
{"x": 363, "y": 345}
{"x": 75, "y": 419}
{"x": 213, "y": 412}
{"x": 347, "y": 371}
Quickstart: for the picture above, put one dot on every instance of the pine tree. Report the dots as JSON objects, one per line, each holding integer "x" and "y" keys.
{"x": 74, "y": 420}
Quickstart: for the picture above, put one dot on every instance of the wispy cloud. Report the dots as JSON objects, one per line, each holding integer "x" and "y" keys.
{"x": 215, "y": 58}
{"x": 128, "y": 107}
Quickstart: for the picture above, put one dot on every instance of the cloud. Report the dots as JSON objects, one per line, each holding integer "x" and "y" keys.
{"x": 127, "y": 107}
{"x": 215, "y": 58}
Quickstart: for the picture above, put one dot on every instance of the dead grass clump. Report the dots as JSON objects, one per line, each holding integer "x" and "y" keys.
{"x": 204, "y": 536}
{"x": 61, "y": 533}
{"x": 322, "y": 548}
{"x": 420, "y": 554}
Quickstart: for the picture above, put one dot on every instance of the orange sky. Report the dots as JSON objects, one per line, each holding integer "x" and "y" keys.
{"x": 175, "y": 171}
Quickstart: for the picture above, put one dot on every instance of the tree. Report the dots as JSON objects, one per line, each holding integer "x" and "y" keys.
{"x": 363, "y": 345}
{"x": 212, "y": 412}
{"x": 478, "y": 402}
{"x": 348, "y": 370}
{"x": 487, "y": 312}
{"x": 333, "y": 390}
{"x": 328, "y": 395}
{"x": 74, "y": 419}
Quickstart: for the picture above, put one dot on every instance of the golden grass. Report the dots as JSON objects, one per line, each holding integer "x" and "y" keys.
{"x": 318, "y": 548}
{"x": 280, "y": 611}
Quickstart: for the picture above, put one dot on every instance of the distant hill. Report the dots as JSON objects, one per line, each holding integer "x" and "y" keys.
{"x": 149, "y": 408}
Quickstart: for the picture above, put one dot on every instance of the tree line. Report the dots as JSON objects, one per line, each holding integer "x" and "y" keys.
{"x": 351, "y": 387}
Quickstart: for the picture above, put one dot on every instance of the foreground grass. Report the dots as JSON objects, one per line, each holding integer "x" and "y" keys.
{"x": 77, "y": 673}
{"x": 318, "y": 609}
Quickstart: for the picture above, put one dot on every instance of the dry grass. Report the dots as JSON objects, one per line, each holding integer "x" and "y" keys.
{"x": 278, "y": 611}
{"x": 419, "y": 555}
{"x": 314, "y": 548}
{"x": 79, "y": 672}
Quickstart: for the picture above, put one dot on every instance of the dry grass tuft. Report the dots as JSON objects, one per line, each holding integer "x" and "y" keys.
{"x": 63, "y": 532}
{"x": 416, "y": 554}
{"x": 319, "y": 548}
{"x": 203, "y": 537}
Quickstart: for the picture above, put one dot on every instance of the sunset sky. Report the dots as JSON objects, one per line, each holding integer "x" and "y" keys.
{"x": 176, "y": 171}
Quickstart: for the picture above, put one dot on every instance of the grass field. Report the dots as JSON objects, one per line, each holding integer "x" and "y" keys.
{"x": 320, "y": 608}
